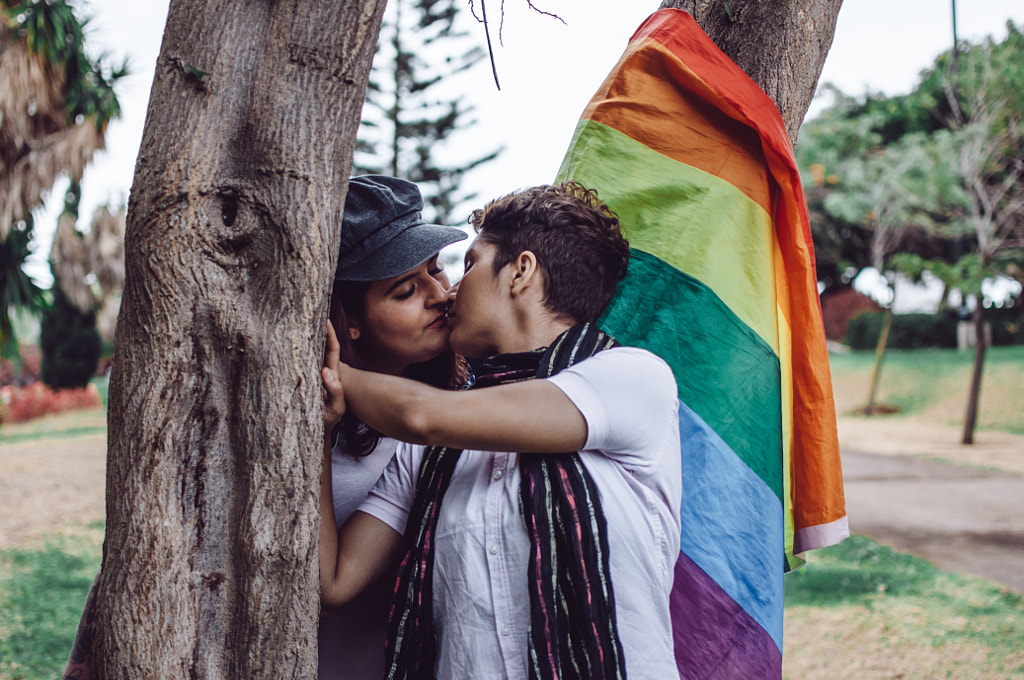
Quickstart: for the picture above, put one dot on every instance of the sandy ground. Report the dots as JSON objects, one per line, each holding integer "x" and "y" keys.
{"x": 47, "y": 482}
{"x": 890, "y": 436}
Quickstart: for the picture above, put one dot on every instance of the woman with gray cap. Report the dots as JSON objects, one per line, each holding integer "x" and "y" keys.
{"x": 388, "y": 309}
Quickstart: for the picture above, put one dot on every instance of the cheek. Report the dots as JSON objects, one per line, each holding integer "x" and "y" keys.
{"x": 464, "y": 294}
{"x": 403, "y": 321}
{"x": 389, "y": 326}
{"x": 481, "y": 298}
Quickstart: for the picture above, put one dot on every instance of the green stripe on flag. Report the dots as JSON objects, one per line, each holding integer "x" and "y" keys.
{"x": 699, "y": 223}
{"x": 726, "y": 373}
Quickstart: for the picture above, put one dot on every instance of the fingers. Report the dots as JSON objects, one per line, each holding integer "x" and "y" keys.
{"x": 450, "y": 299}
{"x": 334, "y": 397}
{"x": 332, "y": 352}
{"x": 330, "y": 378}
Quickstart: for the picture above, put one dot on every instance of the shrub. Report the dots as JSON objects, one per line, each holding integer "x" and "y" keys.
{"x": 1007, "y": 324}
{"x": 18, "y": 404}
{"x": 908, "y": 331}
{"x": 70, "y": 342}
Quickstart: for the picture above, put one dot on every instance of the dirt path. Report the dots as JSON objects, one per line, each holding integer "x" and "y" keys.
{"x": 46, "y": 483}
{"x": 963, "y": 519}
{"x": 910, "y": 484}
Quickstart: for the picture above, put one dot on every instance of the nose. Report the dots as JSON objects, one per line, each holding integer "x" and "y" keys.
{"x": 438, "y": 293}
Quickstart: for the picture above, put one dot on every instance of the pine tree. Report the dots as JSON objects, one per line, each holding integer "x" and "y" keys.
{"x": 406, "y": 119}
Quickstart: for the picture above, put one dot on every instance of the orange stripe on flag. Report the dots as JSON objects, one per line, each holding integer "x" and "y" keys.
{"x": 713, "y": 142}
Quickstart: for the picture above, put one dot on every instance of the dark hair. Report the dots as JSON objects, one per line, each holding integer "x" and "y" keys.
{"x": 576, "y": 238}
{"x": 447, "y": 371}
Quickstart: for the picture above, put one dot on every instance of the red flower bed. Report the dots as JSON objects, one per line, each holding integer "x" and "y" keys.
{"x": 25, "y": 403}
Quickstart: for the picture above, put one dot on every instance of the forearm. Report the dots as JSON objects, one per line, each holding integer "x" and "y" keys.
{"x": 530, "y": 416}
{"x": 328, "y": 531}
{"x": 355, "y": 556}
{"x": 397, "y": 407}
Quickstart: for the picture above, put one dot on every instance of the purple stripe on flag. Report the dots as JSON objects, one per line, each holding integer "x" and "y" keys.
{"x": 715, "y": 639}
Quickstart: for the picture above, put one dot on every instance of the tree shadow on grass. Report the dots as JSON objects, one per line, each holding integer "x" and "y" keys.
{"x": 855, "y": 568}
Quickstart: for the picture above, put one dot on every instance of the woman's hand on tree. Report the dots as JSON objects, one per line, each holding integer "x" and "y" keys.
{"x": 334, "y": 393}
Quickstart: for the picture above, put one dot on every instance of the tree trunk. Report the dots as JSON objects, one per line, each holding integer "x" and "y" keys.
{"x": 876, "y": 372}
{"x": 215, "y": 421}
{"x": 979, "y": 364}
{"x": 780, "y": 45}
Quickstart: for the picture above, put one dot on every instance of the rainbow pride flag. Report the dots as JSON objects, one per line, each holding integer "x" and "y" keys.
{"x": 695, "y": 159}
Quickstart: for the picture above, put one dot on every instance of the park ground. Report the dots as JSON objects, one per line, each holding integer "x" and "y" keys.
{"x": 906, "y": 619}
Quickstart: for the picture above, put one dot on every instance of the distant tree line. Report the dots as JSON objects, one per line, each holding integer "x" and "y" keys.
{"x": 927, "y": 184}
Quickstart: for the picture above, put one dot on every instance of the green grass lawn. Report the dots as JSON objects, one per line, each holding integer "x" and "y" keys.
{"x": 67, "y": 425}
{"x": 949, "y": 609}
{"x": 860, "y": 570}
{"x": 934, "y": 383}
{"x": 42, "y": 592}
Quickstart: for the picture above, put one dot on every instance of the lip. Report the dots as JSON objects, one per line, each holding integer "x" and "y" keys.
{"x": 439, "y": 322}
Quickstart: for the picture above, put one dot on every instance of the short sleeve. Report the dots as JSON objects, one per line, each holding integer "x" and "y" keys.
{"x": 628, "y": 397}
{"x": 391, "y": 497}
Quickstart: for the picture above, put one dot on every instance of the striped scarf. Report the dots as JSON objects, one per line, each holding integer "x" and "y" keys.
{"x": 572, "y": 607}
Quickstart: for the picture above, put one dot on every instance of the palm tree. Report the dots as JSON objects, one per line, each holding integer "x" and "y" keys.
{"x": 90, "y": 267}
{"x": 55, "y": 103}
{"x": 17, "y": 290}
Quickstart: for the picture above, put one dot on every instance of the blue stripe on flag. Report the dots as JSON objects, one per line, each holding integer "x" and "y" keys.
{"x": 732, "y": 523}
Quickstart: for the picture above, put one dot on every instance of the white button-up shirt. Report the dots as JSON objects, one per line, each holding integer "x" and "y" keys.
{"x": 481, "y": 599}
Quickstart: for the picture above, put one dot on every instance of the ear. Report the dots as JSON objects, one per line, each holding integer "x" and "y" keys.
{"x": 525, "y": 272}
{"x": 353, "y": 330}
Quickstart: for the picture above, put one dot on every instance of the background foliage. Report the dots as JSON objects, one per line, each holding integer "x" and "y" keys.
{"x": 413, "y": 113}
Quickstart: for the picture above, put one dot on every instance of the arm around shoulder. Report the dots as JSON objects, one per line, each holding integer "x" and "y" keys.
{"x": 529, "y": 416}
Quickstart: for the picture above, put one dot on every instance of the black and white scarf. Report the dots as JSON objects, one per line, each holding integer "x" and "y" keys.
{"x": 573, "y": 631}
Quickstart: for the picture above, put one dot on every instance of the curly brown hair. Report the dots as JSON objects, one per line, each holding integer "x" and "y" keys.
{"x": 579, "y": 245}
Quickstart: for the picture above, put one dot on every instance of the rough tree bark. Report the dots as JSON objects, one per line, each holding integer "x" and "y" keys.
{"x": 209, "y": 567}
{"x": 781, "y": 45}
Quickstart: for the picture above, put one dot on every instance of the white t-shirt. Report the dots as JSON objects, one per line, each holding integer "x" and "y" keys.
{"x": 481, "y": 606}
{"x": 351, "y": 637}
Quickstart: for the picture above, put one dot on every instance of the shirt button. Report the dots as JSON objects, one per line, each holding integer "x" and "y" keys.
{"x": 506, "y": 631}
{"x": 494, "y": 549}
{"x": 498, "y": 474}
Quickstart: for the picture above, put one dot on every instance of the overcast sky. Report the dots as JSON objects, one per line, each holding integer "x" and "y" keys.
{"x": 548, "y": 72}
